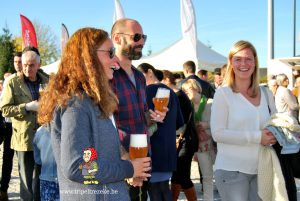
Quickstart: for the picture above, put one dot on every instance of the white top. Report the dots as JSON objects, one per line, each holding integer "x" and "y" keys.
{"x": 236, "y": 126}
{"x": 113, "y": 120}
{"x": 286, "y": 102}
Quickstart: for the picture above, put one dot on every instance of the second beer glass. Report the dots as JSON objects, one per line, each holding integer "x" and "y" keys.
{"x": 161, "y": 99}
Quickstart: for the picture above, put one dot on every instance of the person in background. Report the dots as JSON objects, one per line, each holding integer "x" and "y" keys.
{"x": 43, "y": 156}
{"x": 163, "y": 141}
{"x": 285, "y": 101}
{"x": 20, "y": 103}
{"x": 79, "y": 104}
{"x": 206, "y": 151}
{"x": 189, "y": 69}
{"x": 8, "y": 153}
{"x": 223, "y": 71}
{"x": 272, "y": 85}
{"x": 178, "y": 77}
{"x": 129, "y": 85}
{"x": 203, "y": 75}
{"x": 186, "y": 142}
{"x": 239, "y": 131}
{"x": 217, "y": 78}
{"x": 296, "y": 90}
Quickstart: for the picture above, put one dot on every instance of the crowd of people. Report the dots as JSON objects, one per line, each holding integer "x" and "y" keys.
{"x": 72, "y": 131}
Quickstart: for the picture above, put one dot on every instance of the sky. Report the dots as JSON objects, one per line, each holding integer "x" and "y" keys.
{"x": 220, "y": 23}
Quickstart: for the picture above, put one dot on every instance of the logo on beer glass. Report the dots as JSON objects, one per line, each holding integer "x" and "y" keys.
{"x": 161, "y": 99}
{"x": 138, "y": 146}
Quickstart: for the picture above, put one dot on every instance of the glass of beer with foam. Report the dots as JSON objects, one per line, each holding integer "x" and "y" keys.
{"x": 161, "y": 99}
{"x": 138, "y": 146}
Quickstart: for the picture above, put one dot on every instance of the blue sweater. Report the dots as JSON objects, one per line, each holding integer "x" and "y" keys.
{"x": 163, "y": 141}
{"x": 73, "y": 129}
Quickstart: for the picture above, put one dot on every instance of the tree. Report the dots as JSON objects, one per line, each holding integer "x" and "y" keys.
{"x": 47, "y": 43}
{"x": 6, "y": 52}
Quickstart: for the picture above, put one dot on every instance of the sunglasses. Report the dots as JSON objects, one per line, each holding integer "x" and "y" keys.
{"x": 136, "y": 37}
{"x": 111, "y": 52}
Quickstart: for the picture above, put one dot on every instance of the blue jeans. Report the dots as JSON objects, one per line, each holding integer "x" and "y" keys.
{"x": 236, "y": 186}
{"x": 49, "y": 190}
{"x": 160, "y": 191}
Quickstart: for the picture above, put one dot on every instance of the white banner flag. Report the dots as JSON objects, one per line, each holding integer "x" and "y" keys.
{"x": 119, "y": 13}
{"x": 64, "y": 37}
{"x": 188, "y": 21}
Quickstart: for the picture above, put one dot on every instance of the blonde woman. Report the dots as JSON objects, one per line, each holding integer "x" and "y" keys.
{"x": 285, "y": 101}
{"x": 238, "y": 115}
{"x": 206, "y": 151}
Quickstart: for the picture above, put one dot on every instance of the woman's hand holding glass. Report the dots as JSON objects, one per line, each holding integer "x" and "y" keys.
{"x": 160, "y": 102}
{"x": 141, "y": 167}
{"x": 158, "y": 116}
{"x": 138, "y": 151}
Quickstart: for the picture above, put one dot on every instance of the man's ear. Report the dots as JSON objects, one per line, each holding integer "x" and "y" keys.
{"x": 116, "y": 38}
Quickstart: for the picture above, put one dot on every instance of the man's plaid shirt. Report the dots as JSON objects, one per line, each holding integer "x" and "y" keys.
{"x": 130, "y": 116}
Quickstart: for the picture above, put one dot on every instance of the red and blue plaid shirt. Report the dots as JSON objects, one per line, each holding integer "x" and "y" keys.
{"x": 130, "y": 116}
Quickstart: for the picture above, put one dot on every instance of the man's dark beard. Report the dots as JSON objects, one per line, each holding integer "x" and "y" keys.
{"x": 131, "y": 54}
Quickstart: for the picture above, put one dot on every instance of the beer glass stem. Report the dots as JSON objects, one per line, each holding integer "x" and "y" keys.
{"x": 140, "y": 193}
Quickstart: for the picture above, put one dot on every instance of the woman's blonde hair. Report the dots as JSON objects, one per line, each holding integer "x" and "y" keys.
{"x": 230, "y": 76}
{"x": 192, "y": 83}
{"x": 280, "y": 78}
{"x": 79, "y": 71}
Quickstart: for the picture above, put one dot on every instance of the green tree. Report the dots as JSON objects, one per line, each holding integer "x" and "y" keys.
{"x": 47, "y": 42}
{"x": 6, "y": 52}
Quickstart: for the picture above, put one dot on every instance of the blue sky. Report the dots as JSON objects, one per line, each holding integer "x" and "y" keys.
{"x": 219, "y": 23}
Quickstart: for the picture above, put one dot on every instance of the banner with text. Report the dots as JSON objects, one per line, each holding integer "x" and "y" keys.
{"x": 28, "y": 33}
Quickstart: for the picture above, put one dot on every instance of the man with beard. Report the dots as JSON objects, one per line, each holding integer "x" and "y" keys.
{"x": 129, "y": 84}
{"x": 20, "y": 103}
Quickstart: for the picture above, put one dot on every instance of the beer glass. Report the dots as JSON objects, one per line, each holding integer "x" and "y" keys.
{"x": 161, "y": 99}
{"x": 138, "y": 146}
{"x": 42, "y": 88}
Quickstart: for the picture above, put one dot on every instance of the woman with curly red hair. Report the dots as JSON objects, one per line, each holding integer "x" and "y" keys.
{"x": 79, "y": 104}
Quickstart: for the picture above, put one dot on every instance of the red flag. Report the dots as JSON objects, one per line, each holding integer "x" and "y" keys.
{"x": 64, "y": 37}
{"x": 28, "y": 33}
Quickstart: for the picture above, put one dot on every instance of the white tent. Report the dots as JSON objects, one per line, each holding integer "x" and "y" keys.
{"x": 51, "y": 68}
{"x": 188, "y": 48}
{"x": 172, "y": 57}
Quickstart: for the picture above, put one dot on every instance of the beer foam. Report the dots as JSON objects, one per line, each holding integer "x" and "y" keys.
{"x": 162, "y": 93}
{"x": 138, "y": 140}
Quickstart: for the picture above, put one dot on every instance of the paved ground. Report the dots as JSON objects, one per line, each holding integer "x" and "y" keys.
{"x": 14, "y": 187}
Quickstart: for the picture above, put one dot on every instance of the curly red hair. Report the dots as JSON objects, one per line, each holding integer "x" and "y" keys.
{"x": 79, "y": 71}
